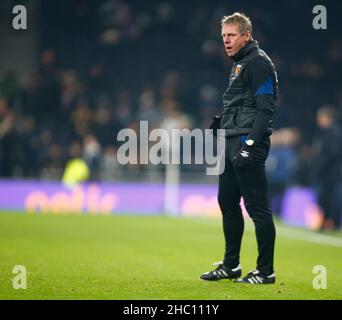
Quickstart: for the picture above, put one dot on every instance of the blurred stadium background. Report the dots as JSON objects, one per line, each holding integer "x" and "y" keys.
{"x": 85, "y": 69}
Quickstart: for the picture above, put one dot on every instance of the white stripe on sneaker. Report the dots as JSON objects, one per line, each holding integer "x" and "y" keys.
{"x": 237, "y": 268}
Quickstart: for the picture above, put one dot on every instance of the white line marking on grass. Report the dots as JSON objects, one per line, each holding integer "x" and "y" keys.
{"x": 309, "y": 236}
{"x": 303, "y": 235}
{"x": 295, "y": 234}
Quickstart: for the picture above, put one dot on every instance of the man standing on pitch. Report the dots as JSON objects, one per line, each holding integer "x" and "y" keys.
{"x": 249, "y": 110}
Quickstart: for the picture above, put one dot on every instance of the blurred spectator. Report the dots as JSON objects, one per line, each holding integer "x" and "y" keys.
{"x": 53, "y": 163}
{"x": 148, "y": 109}
{"x": 327, "y": 166}
{"x": 281, "y": 165}
{"x": 110, "y": 168}
{"x": 103, "y": 126}
{"x": 9, "y": 86}
{"x": 50, "y": 87}
{"x": 91, "y": 151}
{"x": 6, "y": 138}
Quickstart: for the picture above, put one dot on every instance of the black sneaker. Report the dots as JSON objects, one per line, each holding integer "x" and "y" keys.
{"x": 256, "y": 277}
{"x": 221, "y": 272}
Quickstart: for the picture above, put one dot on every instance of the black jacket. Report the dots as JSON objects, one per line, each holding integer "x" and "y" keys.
{"x": 250, "y": 99}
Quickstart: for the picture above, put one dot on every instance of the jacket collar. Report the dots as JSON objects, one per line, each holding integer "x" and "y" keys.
{"x": 246, "y": 50}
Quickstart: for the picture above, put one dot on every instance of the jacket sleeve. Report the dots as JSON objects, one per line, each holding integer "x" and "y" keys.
{"x": 261, "y": 79}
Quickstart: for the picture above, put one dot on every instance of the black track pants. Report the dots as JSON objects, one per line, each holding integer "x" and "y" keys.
{"x": 251, "y": 184}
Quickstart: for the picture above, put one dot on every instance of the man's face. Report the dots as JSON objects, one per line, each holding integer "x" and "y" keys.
{"x": 232, "y": 39}
{"x": 324, "y": 121}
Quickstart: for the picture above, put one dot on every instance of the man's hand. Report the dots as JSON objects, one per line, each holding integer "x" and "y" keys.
{"x": 215, "y": 124}
{"x": 245, "y": 155}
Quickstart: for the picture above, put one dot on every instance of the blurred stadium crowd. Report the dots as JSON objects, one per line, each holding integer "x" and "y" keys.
{"x": 105, "y": 65}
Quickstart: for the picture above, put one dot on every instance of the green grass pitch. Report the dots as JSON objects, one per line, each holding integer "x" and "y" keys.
{"x": 132, "y": 257}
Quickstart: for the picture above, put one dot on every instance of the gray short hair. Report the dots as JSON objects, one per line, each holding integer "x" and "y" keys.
{"x": 244, "y": 23}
